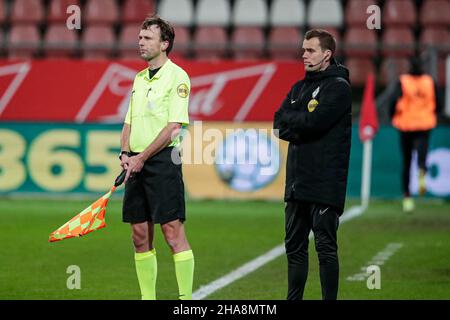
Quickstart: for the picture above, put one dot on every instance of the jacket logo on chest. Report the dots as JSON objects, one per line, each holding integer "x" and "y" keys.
{"x": 313, "y": 103}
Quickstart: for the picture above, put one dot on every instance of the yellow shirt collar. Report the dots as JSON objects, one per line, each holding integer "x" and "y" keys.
{"x": 160, "y": 72}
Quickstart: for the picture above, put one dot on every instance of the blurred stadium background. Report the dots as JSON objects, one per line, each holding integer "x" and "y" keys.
{"x": 63, "y": 95}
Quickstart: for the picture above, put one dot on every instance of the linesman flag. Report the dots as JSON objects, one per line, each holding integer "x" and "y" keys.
{"x": 368, "y": 123}
{"x": 90, "y": 219}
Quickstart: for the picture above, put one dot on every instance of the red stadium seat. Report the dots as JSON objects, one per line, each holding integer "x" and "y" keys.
{"x": 359, "y": 69}
{"x": 182, "y": 45}
{"x": 27, "y": 11}
{"x": 356, "y": 12}
{"x": 101, "y": 12}
{"x": 135, "y": 11}
{"x": 60, "y": 41}
{"x": 210, "y": 43}
{"x": 2, "y": 11}
{"x": 23, "y": 41}
{"x": 436, "y": 37}
{"x": 284, "y": 43}
{"x": 435, "y": 13}
{"x": 398, "y": 42}
{"x": 248, "y": 43}
{"x": 360, "y": 42}
{"x": 57, "y": 11}
{"x": 2, "y": 43}
{"x": 399, "y": 13}
{"x": 128, "y": 43}
{"x": 97, "y": 42}
{"x": 392, "y": 68}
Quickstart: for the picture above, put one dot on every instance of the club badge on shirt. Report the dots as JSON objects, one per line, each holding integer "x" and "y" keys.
{"x": 313, "y": 103}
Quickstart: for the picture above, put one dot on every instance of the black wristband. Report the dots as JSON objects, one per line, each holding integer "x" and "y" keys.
{"x": 123, "y": 152}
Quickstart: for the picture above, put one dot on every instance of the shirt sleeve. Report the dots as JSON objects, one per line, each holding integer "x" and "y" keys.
{"x": 179, "y": 99}
{"x": 128, "y": 115}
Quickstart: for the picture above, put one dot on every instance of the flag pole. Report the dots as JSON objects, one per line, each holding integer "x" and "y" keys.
{"x": 366, "y": 173}
{"x": 368, "y": 127}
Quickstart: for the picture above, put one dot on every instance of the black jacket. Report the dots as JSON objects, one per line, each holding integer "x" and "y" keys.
{"x": 320, "y": 138}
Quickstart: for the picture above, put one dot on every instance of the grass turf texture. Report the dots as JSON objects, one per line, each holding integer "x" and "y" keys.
{"x": 224, "y": 235}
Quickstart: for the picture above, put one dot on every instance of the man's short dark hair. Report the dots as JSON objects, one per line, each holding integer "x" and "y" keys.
{"x": 326, "y": 39}
{"x": 167, "y": 32}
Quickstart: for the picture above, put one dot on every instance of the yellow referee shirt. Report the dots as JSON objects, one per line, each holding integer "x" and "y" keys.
{"x": 155, "y": 102}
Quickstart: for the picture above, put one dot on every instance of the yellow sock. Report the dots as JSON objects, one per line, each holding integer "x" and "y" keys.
{"x": 146, "y": 269}
{"x": 184, "y": 270}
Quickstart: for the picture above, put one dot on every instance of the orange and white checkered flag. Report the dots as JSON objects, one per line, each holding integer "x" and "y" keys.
{"x": 90, "y": 219}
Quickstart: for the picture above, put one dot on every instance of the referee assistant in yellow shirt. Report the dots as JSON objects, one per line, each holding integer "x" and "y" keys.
{"x": 154, "y": 189}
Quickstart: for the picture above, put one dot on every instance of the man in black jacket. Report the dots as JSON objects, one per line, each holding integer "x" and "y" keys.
{"x": 315, "y": 118}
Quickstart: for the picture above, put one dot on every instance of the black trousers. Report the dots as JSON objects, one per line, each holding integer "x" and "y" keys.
{"x": 323, "y": 220}
{"x": 410, "y": 141}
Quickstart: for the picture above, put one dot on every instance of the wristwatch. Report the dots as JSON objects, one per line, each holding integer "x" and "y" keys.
{"x": 123, "y": 152}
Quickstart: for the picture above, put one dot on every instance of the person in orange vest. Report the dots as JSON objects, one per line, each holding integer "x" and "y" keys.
{"x": 413, "y": 109}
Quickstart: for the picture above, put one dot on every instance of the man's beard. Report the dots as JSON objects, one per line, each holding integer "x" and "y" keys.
{"x": 148, "y": 57}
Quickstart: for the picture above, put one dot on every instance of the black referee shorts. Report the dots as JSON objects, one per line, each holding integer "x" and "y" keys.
{"x": 156, "y": 193}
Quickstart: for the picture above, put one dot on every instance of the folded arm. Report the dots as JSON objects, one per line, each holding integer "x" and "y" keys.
{"x": 333, "y": 106}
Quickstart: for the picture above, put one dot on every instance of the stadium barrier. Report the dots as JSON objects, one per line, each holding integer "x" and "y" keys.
{"x": 60, "y": 127}
{"x": 223, "y": 160}
{"x": 98, "y": 91}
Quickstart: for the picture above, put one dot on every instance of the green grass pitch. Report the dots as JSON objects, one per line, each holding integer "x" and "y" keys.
{"x": 224, "y": 235}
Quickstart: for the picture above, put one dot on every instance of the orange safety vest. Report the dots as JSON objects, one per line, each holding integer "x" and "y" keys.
{"x": 415, "y": 110}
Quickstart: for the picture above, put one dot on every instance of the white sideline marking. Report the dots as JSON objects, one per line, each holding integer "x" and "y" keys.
{"x": 379, "y": 259}
{"x": 258, "y": 262}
